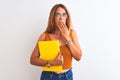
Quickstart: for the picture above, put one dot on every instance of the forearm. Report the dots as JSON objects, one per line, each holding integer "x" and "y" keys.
{"x": 38, "y": 62}
{"x": 75, "y": 51}
{"x": 41, "y": 62}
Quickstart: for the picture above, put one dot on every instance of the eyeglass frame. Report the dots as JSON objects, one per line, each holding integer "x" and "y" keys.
{"x": 58, "y": 15}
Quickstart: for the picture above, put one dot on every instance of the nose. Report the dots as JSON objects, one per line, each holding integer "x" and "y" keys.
{"x": 61, "y": 17}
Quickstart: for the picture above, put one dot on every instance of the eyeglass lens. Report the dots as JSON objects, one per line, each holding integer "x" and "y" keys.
{"x": 58, "y": 15}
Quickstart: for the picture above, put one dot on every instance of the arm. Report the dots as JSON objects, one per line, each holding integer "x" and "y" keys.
{"x": 35, "y": 60}
{"x": 74, "y": 46}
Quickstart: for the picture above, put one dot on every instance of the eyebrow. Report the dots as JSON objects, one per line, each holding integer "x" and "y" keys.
{"x": 62, "y": 13}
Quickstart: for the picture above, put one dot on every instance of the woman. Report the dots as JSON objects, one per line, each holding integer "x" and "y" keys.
{"x": 59, "y": 28}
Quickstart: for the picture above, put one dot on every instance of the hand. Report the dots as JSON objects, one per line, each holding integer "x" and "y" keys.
{"x": 65, "y": 32}
{"x": 58, "y": 61}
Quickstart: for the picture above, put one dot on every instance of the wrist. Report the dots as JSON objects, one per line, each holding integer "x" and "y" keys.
{"x": 68, "y": 42}
{"x": 48, "y": 64}
{"x": 51, "y": 63}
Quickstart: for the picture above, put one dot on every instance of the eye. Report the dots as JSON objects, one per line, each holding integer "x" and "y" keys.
{"x": 65, "y": 15}
{"x": 57, "y": 14}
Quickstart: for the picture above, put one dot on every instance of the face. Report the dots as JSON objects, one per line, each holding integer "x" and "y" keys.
{"x": 60, "y": 16}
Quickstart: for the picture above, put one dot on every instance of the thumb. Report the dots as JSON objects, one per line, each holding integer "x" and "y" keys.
{"x": 60, "y": 57}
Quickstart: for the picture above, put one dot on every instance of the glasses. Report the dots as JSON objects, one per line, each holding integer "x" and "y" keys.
{"x": 58, "y": 15}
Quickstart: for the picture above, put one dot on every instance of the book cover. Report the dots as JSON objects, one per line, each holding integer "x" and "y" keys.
{"x": 49, "y": 51}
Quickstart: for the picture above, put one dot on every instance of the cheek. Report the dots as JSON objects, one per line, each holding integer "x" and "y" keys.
{"x": 57, "y": 22}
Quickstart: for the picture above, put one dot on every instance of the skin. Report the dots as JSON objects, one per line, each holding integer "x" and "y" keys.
{"x": 62, "y": 33}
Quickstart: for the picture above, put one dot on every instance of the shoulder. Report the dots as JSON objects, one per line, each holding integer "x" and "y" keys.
{"x": 73, "y": 32}
{"x": 42, "y": 37}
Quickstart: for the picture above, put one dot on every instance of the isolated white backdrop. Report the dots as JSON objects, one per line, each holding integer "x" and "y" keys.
{"x": 97, "y": 24}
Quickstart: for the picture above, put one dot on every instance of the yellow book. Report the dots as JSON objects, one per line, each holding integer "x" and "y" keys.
{"x": 49, "y": 51}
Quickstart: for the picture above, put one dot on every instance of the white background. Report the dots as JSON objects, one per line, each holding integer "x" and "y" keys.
{"x": 97, "y": 24}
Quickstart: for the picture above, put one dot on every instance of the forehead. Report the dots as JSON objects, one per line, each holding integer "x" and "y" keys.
{"x": 60, "y": 10}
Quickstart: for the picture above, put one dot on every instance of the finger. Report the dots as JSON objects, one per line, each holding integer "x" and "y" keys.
{"x": 61, "y": 27}
{"x": 59, "y": 53}
{"x": 59, "y": 56}
{"x": 64, "y": 27}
